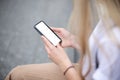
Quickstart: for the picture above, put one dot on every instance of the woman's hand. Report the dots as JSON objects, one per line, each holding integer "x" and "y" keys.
{"x": 68, "y": 40}
{"x": 57, "y": 54}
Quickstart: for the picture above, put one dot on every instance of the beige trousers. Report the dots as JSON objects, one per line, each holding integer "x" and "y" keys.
{"x": 48, "y": 71}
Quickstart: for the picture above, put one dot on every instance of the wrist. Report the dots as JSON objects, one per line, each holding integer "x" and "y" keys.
{"x": 75, "y": 43}
{"x": 65, "y": 65}
{"x": 67, "y": 69}
{"x": 76, "y": 46}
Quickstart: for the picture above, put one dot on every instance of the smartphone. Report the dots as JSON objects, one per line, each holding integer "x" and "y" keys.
{"x": 46, "y": 31}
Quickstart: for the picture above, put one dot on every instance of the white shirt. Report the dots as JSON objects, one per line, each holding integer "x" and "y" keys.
{"x": 105, "y": 53}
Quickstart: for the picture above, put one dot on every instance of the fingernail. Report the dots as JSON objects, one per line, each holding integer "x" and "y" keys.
{"x": 42, "y": 37}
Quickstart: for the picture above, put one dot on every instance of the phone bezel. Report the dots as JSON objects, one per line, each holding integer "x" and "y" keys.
{"x": 48, "y": 27}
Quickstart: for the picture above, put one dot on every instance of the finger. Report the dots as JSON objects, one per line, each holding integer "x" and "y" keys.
{"x": 45, "y": 40}
{"x": 58, "y": 30}
{"x": 47, "y": 49}
{"x": 47, "y": 43}
{"x": 48, "y": 56}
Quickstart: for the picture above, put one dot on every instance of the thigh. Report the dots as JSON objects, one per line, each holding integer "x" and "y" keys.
{"x": 48, "y": 71}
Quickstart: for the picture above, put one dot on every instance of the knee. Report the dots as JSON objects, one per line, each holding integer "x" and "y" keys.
{"x": 16, "y": 74}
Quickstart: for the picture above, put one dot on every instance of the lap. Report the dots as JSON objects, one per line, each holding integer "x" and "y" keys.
{"x": 47, "y": 71}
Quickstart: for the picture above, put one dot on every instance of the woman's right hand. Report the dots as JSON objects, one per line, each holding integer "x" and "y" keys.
{"x": 68, "y": 39}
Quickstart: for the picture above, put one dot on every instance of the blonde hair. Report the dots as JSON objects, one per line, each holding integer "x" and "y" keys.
{"x": 109, "y": 9}
{"x": 81, "y": 19}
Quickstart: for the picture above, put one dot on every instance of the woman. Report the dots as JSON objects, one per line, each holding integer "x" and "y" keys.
{"x": 99, "y": 52}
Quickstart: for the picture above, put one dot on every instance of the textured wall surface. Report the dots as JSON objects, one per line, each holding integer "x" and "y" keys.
{"x": 19, "y": 43}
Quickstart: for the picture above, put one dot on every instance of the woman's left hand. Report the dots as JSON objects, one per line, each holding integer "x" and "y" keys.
{"x": 57, "y": 54}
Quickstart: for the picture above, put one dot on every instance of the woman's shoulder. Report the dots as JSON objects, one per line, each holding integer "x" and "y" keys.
{"x": 106, "y": 31}
{"x": 107, "y": 38}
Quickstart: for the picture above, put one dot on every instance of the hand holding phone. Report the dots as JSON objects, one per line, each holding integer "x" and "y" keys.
{"x": 46, "y": 31}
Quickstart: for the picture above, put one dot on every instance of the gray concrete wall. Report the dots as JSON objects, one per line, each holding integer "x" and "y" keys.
{"x": 19, "y": 43}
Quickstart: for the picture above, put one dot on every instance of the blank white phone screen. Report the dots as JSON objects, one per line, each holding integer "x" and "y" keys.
{"x": 48, "y": 33}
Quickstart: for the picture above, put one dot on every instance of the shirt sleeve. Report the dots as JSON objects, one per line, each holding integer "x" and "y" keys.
{"x": 108, "y": 55}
